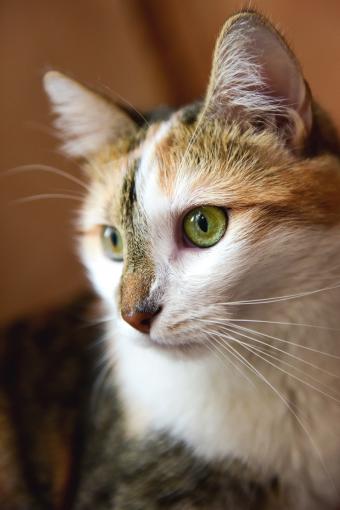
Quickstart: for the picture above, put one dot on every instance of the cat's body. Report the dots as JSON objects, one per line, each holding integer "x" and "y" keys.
{"x": 63, "y": 438}
{"x": 283, "y": 430}
{"x": 284, "y": 427}
{"x": 213, "y": 238}
{"x": 65, "y": 443}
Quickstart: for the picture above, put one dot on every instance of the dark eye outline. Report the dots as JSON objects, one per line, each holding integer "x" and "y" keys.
{"x": 191, "y": 244}
{"x": 106, "y": 233}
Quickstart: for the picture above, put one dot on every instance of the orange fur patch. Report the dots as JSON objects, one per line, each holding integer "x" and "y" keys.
{"x": 250, "y": 170}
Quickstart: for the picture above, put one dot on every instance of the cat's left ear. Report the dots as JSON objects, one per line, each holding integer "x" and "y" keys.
{"x": 257, "y": 80}
{"x": 86, "y": 120}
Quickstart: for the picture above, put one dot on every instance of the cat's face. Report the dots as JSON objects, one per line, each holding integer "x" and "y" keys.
{"x": 188, "y": 217}
{"x": 268, "y": 205}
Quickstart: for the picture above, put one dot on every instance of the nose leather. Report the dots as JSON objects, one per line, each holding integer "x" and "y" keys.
{"x": 140, "y": 320}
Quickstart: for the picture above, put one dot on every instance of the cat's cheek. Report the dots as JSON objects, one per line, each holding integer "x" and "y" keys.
{"x": 104, "y": 273}
{"x": 105, "y": 277}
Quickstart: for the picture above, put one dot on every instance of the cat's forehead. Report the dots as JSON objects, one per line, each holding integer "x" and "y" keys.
{"x": 190, "y": 161}
{"x": 182, "y": 162}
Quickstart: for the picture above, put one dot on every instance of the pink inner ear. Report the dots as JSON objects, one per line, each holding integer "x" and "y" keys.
{"x": 281, "y": 72}
{"x": 256, "y": 76}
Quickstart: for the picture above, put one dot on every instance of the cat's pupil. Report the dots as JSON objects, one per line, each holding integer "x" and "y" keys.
{"x": 114, "y": 238}
{"x": 202, "y": 222}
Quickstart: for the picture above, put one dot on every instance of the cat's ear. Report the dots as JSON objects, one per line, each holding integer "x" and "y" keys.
{"x": 86, "y": 120}
{"x": 256, "y": 78}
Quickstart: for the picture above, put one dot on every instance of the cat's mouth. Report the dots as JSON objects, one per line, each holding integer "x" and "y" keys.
{"x": 164, "y": 340}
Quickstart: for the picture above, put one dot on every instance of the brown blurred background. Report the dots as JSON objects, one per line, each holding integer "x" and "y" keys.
{"x": 145, "y": 51}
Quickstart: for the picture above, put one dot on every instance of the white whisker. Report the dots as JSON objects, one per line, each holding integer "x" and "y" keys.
{"x": 233, "y": 351}
{"x": 317, "y": 351}
{"x": 288, "y": 342}
{"x": 237, "y": 356}
{"x": 73, "y": 192}
{"x": 296, "y": 417}
{"x": 126, "y": 102}
{"x": 337, "y": 399}
{"x": 302, "y": 324}
{"x": 279, "y": 298}
{"x": 47, "y": 169}
{"x": 235, "y": 327}
{"x": 250, "y": 349}
{"x": 44, "y": 196}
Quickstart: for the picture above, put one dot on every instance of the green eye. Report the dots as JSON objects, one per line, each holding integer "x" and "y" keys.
{"x": 204, "y": 226}
{"x": 112, "y": 243}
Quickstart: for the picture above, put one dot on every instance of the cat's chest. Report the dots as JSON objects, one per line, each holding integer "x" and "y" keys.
{"x": 214, "y": 408}
{"x": 221, "y": 412}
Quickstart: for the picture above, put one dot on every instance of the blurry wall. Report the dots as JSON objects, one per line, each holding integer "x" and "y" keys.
{"x": 145, "y": 52}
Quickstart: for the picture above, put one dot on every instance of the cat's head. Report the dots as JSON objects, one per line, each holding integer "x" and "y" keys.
{"x": 228, "y": 200}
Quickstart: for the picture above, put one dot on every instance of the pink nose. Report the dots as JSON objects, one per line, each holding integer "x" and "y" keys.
{"x": 140, "y": 320}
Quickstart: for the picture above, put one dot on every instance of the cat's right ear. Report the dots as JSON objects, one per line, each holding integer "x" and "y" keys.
{"x": 85, "y": 120}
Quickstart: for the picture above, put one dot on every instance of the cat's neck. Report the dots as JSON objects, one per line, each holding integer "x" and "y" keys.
{"x": 221, "y": 407}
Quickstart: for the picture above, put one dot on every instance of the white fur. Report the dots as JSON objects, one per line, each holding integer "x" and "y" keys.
{"x": 205, "y": 401}
{"x": 207, "y": 404}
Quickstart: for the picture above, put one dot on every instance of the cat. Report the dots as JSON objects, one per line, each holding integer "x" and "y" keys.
{"x": 212, "y": 237}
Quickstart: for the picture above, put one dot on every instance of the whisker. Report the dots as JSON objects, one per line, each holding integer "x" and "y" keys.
{"x": 288, "y": 342}
{"x": 317, "y": 351}
{"x": 280, "y": 298}
{"x": 232, "y": 351}
{"x": 125, "y": 101}
{"x": 225, "y": 356}
{"x": 73, "y": 192}
{"x": 290, "y": 365}
{"x": 297, "y": 418}
{"x": 250, "y": 349}
{"x": 47, "y": 169}
{"x": 315, "y": 326}
{"x": 44, "y": 196}
{"x": 99, "y": 321}
{"x": 233, "y": 328}
{"x": 105, "y": 370}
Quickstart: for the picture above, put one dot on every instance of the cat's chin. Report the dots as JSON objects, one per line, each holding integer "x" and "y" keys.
{"x": 181, "y": 348}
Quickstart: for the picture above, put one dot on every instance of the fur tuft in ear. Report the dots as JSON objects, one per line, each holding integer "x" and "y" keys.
{"x": 87, "y": 121}
{"x": 256, "y": 78}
